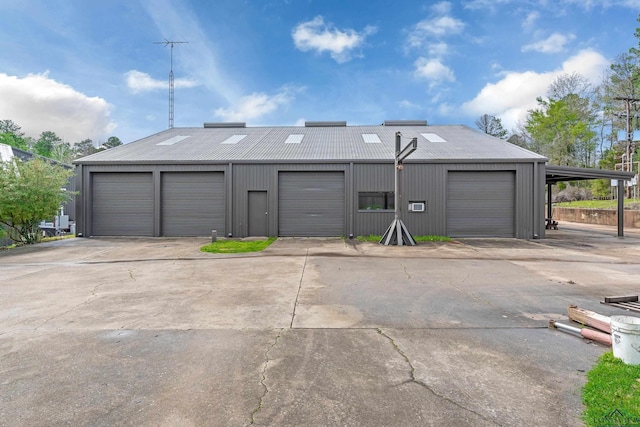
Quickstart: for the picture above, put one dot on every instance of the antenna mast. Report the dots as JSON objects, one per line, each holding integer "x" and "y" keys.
{"x": 170, "y": 43}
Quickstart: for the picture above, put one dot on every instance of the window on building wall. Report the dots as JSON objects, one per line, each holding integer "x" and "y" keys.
{"x": 375, "y": 200}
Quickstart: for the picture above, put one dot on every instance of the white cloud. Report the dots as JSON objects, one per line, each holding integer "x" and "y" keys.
{"x": 257, "y": 105}
{"x": 553, "y": 44}
{"x": 441, "y": 26}
{"x": 138, "y": 82}
{"x": 438, "y": 49}
{"x": 427, "y": 35}
{"x": 530, "y": 20}
{"x": 485, "y": 4}
{"x": 436, "y": 27}
{"x": 433, "y": 70}
{"x": 442, "y": 8}
{"x": 590, "y": 4}
{"x": 321, "y": 37}
{"x": 516, "y": 93}
{"x": 406, "y": 104}
{"x": 38, "y": 103}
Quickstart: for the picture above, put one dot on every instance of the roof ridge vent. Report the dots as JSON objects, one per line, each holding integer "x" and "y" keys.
{"x": 324, "y": 124}
{"x": 404, "y": 123}
{"x": 225, "y": 125}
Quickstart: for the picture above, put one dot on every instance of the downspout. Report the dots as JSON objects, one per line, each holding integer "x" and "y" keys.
{"x": 228, "y": 221}
{"x": 350, "y": 202}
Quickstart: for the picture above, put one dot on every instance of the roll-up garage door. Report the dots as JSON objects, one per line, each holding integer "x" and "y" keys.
{"x": 481, "y": 204}
{"x": 122, "y": 204}
{"x": 311, "y": 204}
{"x": 192, "y": 203}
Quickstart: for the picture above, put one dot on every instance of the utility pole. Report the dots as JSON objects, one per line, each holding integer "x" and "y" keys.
{"x": 627, "y": 103}
{"x": 170, "y": 43}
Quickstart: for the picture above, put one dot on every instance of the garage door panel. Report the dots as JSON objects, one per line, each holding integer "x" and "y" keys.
{"x": 481, "y": 204}
{"x": 122, "y": 204}
{"x": 311, "y": 204}
{"x": 193, "y": 203}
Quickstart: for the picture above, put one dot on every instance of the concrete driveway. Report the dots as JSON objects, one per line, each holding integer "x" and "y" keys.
{"x": 107, "y": 332}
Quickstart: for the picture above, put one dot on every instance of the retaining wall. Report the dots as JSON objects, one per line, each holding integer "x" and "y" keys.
{"x": 597, "y": 216}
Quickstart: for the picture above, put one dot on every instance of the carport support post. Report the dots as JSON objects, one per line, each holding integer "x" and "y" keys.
{"x": 621, "y": 208}
{"x": 549, "y": 211}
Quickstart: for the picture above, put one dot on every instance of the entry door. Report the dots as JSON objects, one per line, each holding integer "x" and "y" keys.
{"x": 258, "y": 213}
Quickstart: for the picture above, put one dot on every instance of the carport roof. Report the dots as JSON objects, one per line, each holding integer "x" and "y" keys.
{"x": 555, "y": 174}
{"x": 312, "y": 143}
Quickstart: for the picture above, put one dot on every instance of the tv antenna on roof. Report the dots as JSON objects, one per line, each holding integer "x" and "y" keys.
{"x": 170, "y": 43}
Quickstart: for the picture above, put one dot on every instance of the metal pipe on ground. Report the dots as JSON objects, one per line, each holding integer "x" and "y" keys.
{"x": 590, "y": 334}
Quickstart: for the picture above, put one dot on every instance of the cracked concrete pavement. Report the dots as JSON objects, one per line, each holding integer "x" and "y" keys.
{"x": 309, "y": 332}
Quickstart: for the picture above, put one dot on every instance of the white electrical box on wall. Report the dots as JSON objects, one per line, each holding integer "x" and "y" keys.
{"x": 417, "y": 206}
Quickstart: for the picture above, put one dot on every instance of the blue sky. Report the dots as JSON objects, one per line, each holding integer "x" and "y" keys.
{"x": 89, "y": 69}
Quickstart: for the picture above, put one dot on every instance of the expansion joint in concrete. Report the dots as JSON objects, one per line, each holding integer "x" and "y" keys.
{"x": 295, "y": 304}
{"x": 263, "y": 377}
{"x": 413, "y": 379}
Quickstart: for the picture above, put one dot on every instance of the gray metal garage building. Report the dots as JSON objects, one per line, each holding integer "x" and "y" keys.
{"x": 323, "y": 179}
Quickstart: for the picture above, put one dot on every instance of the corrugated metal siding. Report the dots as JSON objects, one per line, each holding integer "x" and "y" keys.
{"x": 122, "y": 204}
{"x": 193, "y": 203}
{"x": 481, "y": 204}
{"x": 311, "y": 204}
{"x": 256, "y": 177}
{"x": 371, "y": 177}
{"x": 425, "y": 182}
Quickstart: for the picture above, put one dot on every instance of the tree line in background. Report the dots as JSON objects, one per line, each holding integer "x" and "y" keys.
{"x": 51, "y": 145}
{"x": 577, "y": 123}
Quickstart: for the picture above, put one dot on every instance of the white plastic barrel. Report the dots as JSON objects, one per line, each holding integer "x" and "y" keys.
{"x": 625, "y": 338}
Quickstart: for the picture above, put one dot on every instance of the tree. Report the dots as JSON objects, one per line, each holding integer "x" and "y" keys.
{"x": 491, "y": 125}
{"x": 63, "y": 153}
{"x": 112, "y": 142}
{"x": 85, "y": 148}
{"x": 562, "y": 134}
{"x": 11, "y": 134}
{"x": 562, "y": 128}
{"x": 8, "y": 126}
{"x": 32, "y": 192}
{"x": 45, "y": 144}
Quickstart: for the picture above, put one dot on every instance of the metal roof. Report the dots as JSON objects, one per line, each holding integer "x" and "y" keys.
{"x": 323, "y": 143}
{"x": 555, "y": 174}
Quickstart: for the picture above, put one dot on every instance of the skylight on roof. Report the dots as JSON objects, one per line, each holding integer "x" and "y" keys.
{"x": 371, "y": 138}
{"x": 173, "y": 140}
{"x": 234, "y": 139}
{"x": 294, "y": 138}
{"x": 433, "y": 137}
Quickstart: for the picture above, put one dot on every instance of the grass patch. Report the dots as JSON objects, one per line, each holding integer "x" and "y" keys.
{"x": 432, "y": 238}
{"x": 53, "y": 238}
{"x": 370, "y": 238}
{"x": 237, "y": 246}
{"x": 376, "y": 238}
{"x": 612, "y": 393}
{"x": 599, "y": 204}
